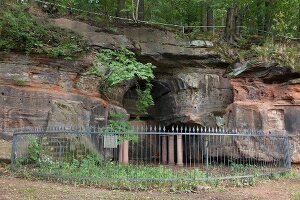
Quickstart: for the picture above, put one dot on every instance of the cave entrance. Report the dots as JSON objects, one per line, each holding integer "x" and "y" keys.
{"x": 162, "y": 93}
{"x": 130, "y": 102}
{"x": 175, "y": 149}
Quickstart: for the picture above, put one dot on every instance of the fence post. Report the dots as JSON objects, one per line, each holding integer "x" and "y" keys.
{"x": 13, "y": 152}
{"x": 125, "y": 160}
{"x": 164, "y": 149}
{"x": 288, "y": 153}
{"x": 179, "y": 151}
{"x": 171, "y": 150}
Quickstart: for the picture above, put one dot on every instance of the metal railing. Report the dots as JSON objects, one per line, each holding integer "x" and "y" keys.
{"x": 150, "y": 153}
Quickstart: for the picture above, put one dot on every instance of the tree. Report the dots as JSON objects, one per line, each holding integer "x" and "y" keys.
{"x": 120, "y": 7}
{"x": 141, "y": 10}
{"x": 267, "y": 17}
{"x": 138, "y": 9}
{"x": 298, "y": 30}
{"x": 207, "y": 16}
{"x": 232, "y": 20}
{"x": 204, "y": 16}
{"x": 210, "y": 18}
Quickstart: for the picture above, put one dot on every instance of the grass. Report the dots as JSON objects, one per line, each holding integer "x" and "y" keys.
{"x": 30, "y": 192}
{"x": 89, "y": 174}
{"x": 295, "y": 196}
{"x": 110, "y": 175}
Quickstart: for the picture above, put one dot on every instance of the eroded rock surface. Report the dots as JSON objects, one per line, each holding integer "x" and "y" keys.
{"x": 36, "y": 92}
{"x": 266, "y": 99}
{"x": 163, "y": 48}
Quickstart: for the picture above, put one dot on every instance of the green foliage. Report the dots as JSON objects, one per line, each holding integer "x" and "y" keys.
{"x": 34, "y": 149}
{"x": 117, "y": 115}
{"x": 284, "y": 54}
{"x": 123, "y": 66}
{"x": 19, "y": 81}
{"x": 260, "y": 16}
{"x": 95, "y": 166}
{"x": 19, "y": 31}
{"x": 117, "y": 124}
{"x": 65, "y": 50}
{"x": 145, "y": 99}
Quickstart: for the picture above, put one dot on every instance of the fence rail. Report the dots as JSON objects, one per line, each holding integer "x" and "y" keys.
{"x": 150, "y": 153}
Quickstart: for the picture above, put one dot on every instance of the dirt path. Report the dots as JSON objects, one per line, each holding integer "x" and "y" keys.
{"x": 16, "y": 188}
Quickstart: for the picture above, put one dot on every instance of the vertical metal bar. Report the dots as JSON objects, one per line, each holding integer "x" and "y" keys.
{"x": 203, "y": 149}
{"x": 206, "y": 151}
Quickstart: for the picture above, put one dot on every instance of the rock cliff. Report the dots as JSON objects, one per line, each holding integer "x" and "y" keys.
{"x": 42, "y": 92}
{"x": 192, "y": 86}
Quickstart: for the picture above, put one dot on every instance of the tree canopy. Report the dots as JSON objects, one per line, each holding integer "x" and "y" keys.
{"x": 258, "y": 16}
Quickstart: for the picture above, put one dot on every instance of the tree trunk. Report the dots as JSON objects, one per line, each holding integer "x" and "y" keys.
{"x": 204, "y": 17}
{"x": 141, "y": 12}
{"x": 138, "y": 12}
{"x": 267, "y": 17}
{"x": 231, "y": 25}
{"x": 259, "y": 17}
{"x": 210, "y": 18}
{"x": 238, "y": 22}
{"x": 299, "y": 20}
{"x": 120, "y": 7}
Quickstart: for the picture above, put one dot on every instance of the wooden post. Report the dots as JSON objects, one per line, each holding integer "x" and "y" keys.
{"x": 171, "y": 150}
{"x": 179, "y": 151}
{"x": 125, "y": 152}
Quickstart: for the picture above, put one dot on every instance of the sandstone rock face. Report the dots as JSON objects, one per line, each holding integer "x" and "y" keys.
{"x": 266, "y": 100}
{"x": 191, "y": 95}
{"x": 5, "y": 150}
{"x": 295, "y": 144}
{"x": 162, "y": 48}
{"x": 189, "y": 86}
{"x": 36, "y": 92}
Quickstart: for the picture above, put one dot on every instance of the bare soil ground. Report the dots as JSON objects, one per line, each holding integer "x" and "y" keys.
{"x": 17, "y": 188}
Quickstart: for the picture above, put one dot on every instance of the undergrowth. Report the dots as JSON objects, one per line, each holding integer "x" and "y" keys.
{"x": 20, "y": 31}
{"x": 283, "y": 53}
